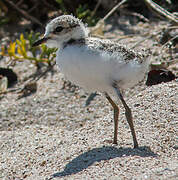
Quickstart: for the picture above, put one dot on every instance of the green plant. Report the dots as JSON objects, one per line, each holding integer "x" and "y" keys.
{"x": 22, "y": 49}
{"x": 83, "y": 12}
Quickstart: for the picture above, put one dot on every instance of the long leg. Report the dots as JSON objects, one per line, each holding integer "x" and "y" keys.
{"x": 128, "y": 115}
{"x": 116, "y": 116}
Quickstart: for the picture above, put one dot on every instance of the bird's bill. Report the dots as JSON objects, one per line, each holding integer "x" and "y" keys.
{"x": 40, "y": 41}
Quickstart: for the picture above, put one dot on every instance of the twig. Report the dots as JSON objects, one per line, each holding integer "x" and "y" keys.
{"x": 97, "y": 29}
{"x": 142, "y": 40}
{"x": 19, "y": 3}
{"x": 162, "y": 11}
{"x": 125, "y": 37}
{"x": 96, "y": 7}
{"x": 140, "y": 16}
{"x": 155, "y": 34}
{"x": 168, "y": 42}
{"x": 34, "y": 7}
{"x": 172, "y": 27}
{"x": 113, "y": 9}
{"x": 164, "y": 45}
{"x": 26, "y": 15}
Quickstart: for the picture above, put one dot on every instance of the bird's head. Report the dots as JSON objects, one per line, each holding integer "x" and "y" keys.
{"x": 61, "y": 30}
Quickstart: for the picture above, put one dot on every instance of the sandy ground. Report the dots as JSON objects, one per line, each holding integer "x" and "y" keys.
{"x": 52, "y": 135}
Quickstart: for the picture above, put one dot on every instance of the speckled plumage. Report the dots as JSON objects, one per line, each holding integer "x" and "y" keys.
{"x": 96, "y": 44}
{"x": 93, "y": 63}
{"x": 96, "y": 64}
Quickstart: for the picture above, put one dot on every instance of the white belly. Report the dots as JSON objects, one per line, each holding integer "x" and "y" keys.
{"x": 97, "y": 71}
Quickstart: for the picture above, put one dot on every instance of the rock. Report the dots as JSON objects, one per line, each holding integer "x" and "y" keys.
{"x": 10, "y": 74}
{"x": 159, "y": 76}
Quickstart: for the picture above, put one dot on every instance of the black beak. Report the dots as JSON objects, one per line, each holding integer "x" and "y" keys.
{"x": 40, "y": 41}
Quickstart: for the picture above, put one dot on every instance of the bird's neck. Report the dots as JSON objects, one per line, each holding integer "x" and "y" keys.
{"x": 77, "y": 36}
{"x": 74, "y": 42}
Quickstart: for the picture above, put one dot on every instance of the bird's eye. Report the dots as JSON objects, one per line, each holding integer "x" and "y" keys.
{"x": 58, "y": 29}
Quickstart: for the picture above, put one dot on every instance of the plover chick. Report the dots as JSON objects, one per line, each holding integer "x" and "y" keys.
{"x": 95, "y": 64}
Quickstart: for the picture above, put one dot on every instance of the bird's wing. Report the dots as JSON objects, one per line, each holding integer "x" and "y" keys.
{"x": 115, "y": 49}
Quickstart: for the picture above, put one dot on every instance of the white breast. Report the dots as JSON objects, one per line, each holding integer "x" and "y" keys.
{"x": 95, "y": 71}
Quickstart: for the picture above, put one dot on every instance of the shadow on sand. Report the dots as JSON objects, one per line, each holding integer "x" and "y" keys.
{"x": 86, "y": 159}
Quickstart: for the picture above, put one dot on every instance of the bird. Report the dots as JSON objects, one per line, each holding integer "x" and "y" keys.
{"x": 96, "y": 64}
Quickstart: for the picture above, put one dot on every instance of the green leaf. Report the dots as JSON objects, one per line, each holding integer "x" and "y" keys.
{"x": 22, "y": 39}
{"x": 59, "y": 1}
{"x": 24, "y": 53}
{"x": 19, "y": 51}
{"x": 18, "y": 42}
